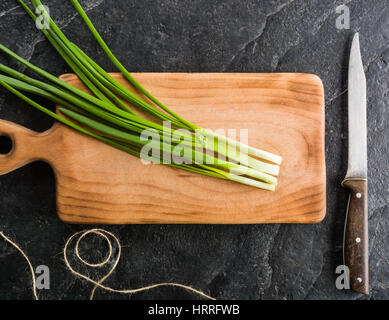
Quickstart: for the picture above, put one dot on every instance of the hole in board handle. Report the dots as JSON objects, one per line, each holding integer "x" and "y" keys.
{"x": 6, "y": 144}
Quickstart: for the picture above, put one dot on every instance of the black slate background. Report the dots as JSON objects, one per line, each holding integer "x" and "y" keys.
{"x": 230, "y": 262}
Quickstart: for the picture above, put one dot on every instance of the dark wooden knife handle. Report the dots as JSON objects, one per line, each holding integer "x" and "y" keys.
{"x": 356, "y": 239}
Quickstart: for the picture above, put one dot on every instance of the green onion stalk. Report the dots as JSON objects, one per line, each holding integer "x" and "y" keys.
{"x": 107, "y": 114}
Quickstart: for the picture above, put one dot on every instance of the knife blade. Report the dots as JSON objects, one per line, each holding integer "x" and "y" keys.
{"x": 355, "y": 247}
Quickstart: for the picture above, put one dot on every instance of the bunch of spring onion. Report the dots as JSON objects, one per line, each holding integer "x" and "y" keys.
{"x": 108, "y": 113}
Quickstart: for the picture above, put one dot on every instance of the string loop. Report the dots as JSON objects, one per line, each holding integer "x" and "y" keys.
{"x": 107, "y": 236}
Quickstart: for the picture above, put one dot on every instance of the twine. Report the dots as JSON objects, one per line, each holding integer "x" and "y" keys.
{"x": 99, "y": 283}
{"x": 28, "y": 262}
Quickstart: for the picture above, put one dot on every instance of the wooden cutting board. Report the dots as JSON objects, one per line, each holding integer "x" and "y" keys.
{"x": 284, "y": 114}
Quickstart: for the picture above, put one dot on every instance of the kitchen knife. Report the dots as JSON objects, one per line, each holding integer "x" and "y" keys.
{"x": 355, "y": 249}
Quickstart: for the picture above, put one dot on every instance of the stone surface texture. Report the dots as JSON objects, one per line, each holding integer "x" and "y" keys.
{"x": 229, "y": 262}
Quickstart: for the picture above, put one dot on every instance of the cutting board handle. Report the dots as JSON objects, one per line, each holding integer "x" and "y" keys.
{"x": 27, "y": 146}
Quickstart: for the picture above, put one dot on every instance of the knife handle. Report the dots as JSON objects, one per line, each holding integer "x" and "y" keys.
{"x": 356, "y": 239}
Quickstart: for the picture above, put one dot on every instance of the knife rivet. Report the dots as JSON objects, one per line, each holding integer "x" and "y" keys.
{"x": 358, "y": 195}
{"x": 358, "y": 240}
{"x": 359, "y": 279}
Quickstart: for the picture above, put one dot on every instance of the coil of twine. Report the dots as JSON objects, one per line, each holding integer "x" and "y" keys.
{"x": 109, "y": 238}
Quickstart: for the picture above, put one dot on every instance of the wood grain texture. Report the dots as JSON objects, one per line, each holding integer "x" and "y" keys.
{"x": 284, "y": 114}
